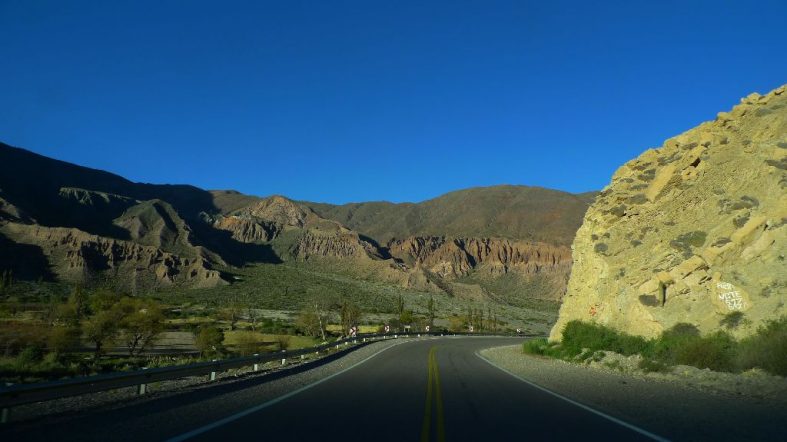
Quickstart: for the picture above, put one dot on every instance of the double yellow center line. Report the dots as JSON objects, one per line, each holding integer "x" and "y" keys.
{"x": 433, "y": 389}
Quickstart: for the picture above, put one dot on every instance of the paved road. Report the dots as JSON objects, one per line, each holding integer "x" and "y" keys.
{"x": 428, "y": 390}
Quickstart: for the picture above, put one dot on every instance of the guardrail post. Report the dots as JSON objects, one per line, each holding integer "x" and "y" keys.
{"x": 364, "y": 339}
{"x": 142, "y": 388}
{"x": 303, "y": 357}
{"x": 337, "y": 346}
{"x": 283, "y": 361}
{"x": 213, "y": 374}
{"x": 5, "y": 415}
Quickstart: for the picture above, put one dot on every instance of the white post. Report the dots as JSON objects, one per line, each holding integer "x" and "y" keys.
{"x": 283, "y": 361}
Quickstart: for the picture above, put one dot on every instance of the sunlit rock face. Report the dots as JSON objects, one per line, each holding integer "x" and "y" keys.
{"x": 691, "y": 232}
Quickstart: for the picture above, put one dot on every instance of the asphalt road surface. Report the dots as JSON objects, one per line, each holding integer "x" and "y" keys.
{"x": 427, "y": 390}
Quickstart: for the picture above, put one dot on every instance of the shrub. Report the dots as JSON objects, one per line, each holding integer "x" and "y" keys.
{"x": 579, "y": 335}
{"x": 715, "y": 351}
{"x": 30, "y": 355}
{"x": 732, "y": 320}
{"x": 209, "y": 341}
{"x": 536, "y": 346}
{"x": 766, "y": 349}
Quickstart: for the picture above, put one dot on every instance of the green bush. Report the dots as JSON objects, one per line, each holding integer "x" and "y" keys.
{"x": 536, "y": 346}
{"x": 715, "y": 351}
{"x": 766, "y": 349}
{"x": 682, "y": 344}
{"x": 580, "y": 335}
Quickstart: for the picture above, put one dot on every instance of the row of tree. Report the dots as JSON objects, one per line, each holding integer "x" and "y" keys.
{"x": 102, "y": 318}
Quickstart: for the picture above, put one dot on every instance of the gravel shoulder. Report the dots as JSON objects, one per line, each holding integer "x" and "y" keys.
{"x": 667, "y": 406}
{"x": 172, "y": 406}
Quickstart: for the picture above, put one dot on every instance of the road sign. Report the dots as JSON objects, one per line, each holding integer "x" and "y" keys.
{"x": 387, "y": 328}
{"x": 427, "y": 328}
{"x": 519, "y": 331}
{"x": 471, "y": 329}
{"x": 353, "y": 331}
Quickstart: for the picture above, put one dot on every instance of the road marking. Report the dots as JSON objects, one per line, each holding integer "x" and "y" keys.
{"x": 433, "y": 389}
{"x": 578, "y": 404}
{"x": 256, "y": 408}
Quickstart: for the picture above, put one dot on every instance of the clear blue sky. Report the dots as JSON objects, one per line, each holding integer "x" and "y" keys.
{"x": 374, "y": 100}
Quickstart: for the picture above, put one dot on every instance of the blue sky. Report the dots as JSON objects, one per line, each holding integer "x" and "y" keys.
{"x": 343, "y": 101}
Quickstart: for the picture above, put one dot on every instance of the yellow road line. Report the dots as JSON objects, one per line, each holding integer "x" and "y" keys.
{"x": 433, "y": 388}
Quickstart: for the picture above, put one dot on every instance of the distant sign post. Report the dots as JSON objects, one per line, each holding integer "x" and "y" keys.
{"x": 471, "y": 329}
{"x": 387, "y": 328}
{"x": 519, "y": 331}
{"x": 353, "y": 331}
{"x": 427, "y": 329}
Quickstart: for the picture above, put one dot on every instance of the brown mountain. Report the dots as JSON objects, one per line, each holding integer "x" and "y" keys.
{"x": 76, "y": 224}
{"x": 514, "y": 212}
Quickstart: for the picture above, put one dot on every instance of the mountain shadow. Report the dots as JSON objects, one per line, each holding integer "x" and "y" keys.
{"x": 26, "y": 262}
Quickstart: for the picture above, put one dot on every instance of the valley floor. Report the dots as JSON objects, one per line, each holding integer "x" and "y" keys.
{"x": 670, "y": 407}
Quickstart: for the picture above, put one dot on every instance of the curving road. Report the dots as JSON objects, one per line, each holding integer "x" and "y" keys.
{"x": 432, "y": 390}
{"x": 427, "y": 390}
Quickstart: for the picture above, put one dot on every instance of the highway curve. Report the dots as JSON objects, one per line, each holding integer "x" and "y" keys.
{"x": 435, "y": 389}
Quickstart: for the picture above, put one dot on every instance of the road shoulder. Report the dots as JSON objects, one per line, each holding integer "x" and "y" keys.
{"x": 664, "y": 407}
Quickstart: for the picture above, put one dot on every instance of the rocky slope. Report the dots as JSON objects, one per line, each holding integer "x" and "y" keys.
{"x": 486, "y": 259}
{"x": 77, "y": 256}
{"x": 692, "y": 232}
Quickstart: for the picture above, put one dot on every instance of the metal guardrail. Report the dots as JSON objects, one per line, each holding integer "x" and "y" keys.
{"x": 21, "y": 394}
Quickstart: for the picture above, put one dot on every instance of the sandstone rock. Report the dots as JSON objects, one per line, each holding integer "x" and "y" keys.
{"x": 708, "y": 238}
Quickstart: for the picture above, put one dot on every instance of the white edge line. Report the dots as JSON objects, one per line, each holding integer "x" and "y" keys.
{"x": 578, "y": 404}
{"x": 256, "y": 408}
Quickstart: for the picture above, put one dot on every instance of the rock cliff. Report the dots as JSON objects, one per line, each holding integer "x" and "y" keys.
{"x": 691, "y": 232}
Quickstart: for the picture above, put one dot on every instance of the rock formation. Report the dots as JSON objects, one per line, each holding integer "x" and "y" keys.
{"x": 691, "y": 232}
{"x": 76, "y": 256}
{"x": 455, "y": 258}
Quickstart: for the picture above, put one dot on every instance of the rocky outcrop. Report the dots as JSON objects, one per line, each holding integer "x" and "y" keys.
{"x": 77, "y": 256}
{"x": 692, "y": 232}
{"x": 265, "y": 219}
{"x": 340, "y": 244}
{"x": 455, "y": 258}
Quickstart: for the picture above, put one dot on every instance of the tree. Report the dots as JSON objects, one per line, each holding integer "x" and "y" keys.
{"x": 209, "y": 341}
{"x": 350, "y": 314}
{"x": 141, "y": 323}
{"x": 399, "y": 305}
{"x": 430, "y": 307}
{"x": 283, "y": 341}
{"x": 253, "y": 315}
{"x": 100, "y": 329}
{"x": 64, "y": 339}
{"x": 314, "y": 317}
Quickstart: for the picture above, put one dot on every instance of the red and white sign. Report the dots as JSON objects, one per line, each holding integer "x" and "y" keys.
{"x": 353, "y": 331}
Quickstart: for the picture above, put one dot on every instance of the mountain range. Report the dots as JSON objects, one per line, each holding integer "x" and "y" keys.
{"x": 67, "y": 223}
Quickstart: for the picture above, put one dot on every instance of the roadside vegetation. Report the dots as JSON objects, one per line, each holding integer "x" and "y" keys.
{"x": 51, "y": 331}
{"x": 680, "y": 345}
